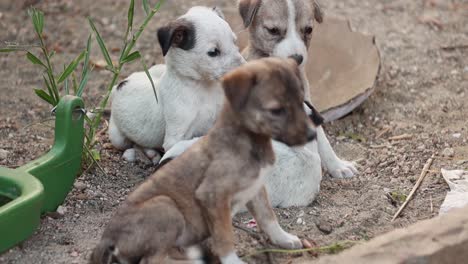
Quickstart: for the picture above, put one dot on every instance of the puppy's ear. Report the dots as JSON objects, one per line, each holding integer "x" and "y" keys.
{"x": 180, "y": 34}
{"x": 315, "y": 116}
{"x": 219, "y": 12}
{"x": 248, "y": 10}
{"x": 237, "y": 86}
{"x": 318, "y": 13}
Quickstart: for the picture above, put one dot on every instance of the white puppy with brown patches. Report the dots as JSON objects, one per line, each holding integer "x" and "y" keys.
{"x": 199, "y": 48}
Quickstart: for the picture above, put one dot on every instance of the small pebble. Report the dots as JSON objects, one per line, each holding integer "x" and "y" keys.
{"x": 3, "y": 154}
{"x": 325, "y": 227}
{"x": 456, "y": 135}
{"x": 79, "y": 186}
{"x": 299, "y": 221}
{"x": 448, "y": 152}
{"x": 61, "y": 210}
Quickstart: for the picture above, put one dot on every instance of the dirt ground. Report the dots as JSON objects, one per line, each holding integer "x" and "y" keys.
{"x": 422, "y": 91}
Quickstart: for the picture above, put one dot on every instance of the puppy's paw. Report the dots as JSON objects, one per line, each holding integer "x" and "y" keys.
{"x": 129, "y": 155}
{"x": 231, "y": 258}
{"x": 286, "y": 241}
{"x": 343, "y": 169}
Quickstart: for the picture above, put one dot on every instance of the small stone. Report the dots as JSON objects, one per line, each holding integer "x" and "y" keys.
{"x": 3, "y": 154}
{"x": 301, "y": 213}
{"x": 396, "y": 171}
{"x": 324, "y": 226}
{"x": 457, "y": 135}
{"x": 74, "y": 254}
{"x": 448, "y": 152}
{"x": 299, "y": 221}
{"x": 368, "y": 171}
{"x": 62, "y": 210}
{"x": 461, "y": 162}
{"x": 406, "y": 169}
{"x": 79, "y": 186}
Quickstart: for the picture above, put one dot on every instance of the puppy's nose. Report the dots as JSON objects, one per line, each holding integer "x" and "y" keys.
{"x": 298, "y": 58}
{"x": 311, "y": 134}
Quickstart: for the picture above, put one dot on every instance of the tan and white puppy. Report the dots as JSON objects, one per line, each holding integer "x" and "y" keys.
{"x": 199, "y": 47}
{"x": 193, "y": 197}
{"x": 282, "y": 29}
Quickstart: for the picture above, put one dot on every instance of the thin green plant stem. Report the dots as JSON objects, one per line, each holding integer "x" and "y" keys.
{"x": 342, "y": 245}
{"x": 142, "y": 28}
{"x": 116, "y": 72}
{"x": 90, "y": 154}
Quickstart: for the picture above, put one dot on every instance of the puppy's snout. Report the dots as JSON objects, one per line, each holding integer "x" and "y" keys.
{"x": 311, "y": 134}
{"x": 298, "y": 58}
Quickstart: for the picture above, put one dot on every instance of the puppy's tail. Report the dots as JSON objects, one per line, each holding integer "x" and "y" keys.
{"x": 104, "y": 253}
{"x": 107, "y": 253}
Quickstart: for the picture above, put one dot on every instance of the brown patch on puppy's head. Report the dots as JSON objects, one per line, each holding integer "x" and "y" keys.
{"x": 267, "y": 96}
{"x": 179, "y": 33}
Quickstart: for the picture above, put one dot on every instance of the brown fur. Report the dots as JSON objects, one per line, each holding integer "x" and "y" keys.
{"x": 191, "y": 198}
{"x": 259, "y": 15}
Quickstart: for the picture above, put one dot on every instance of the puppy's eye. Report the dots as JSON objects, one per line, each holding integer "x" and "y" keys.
{"x": 278, "y": 111}
{"x": 274, "y": 31}
{"x": 214, "y": 52}
{"x": 308, "y": 30}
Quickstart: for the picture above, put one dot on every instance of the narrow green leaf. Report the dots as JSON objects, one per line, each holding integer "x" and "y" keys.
{"x": 133, "y": 56}
{"x": 51, "y": 54}
{"x": 71, "y": 67}
{"x": 66, "y": 87}
{"x": 9, "y": 50}
{"x": 75, "y": 83}
{"x": 83, "y": 82}
{"x": 44, "y": 96}
{"x": 96, "y": 154}
{"x": 34, "y": 59}
{"x": 37, "y": 18}
{"x": 146, "y": 7}
{"x": 151, "y": 80}
{"x": 49, "y": 88}
{"x": 101, "y": 43}
{"x": 86, "y": 61}
{"x": 131, "y": 11}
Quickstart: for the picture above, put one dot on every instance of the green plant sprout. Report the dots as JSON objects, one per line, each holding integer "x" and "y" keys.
{"x": 56, "y": 86}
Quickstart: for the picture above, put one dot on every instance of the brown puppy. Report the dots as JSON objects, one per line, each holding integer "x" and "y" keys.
{"x": 192, "y": 198}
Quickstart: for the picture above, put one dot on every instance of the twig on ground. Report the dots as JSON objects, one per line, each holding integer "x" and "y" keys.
{"x": 103, "y": 130}
{"x": 432, "y": 21}
{"x": 401, "y": 137}
{"x": 331, "y": 249}
{"x": 432, "y": 205}
{"x": 416, "y": 186}
{"x": 383, "y": 132}
{"x": 454, "y": 47}
{"x": 259, "y": 238}
{"x": 248, "y": 231}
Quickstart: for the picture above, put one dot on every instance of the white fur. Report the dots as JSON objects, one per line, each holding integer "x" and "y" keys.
{"x": 280, "y": 237}
{"x": 231, "y": 258}
{"x": 188, "y": 89}
{"x": 292, "y": 43}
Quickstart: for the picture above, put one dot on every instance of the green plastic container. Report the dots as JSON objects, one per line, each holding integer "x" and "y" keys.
{"x": 42, "y": 185}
